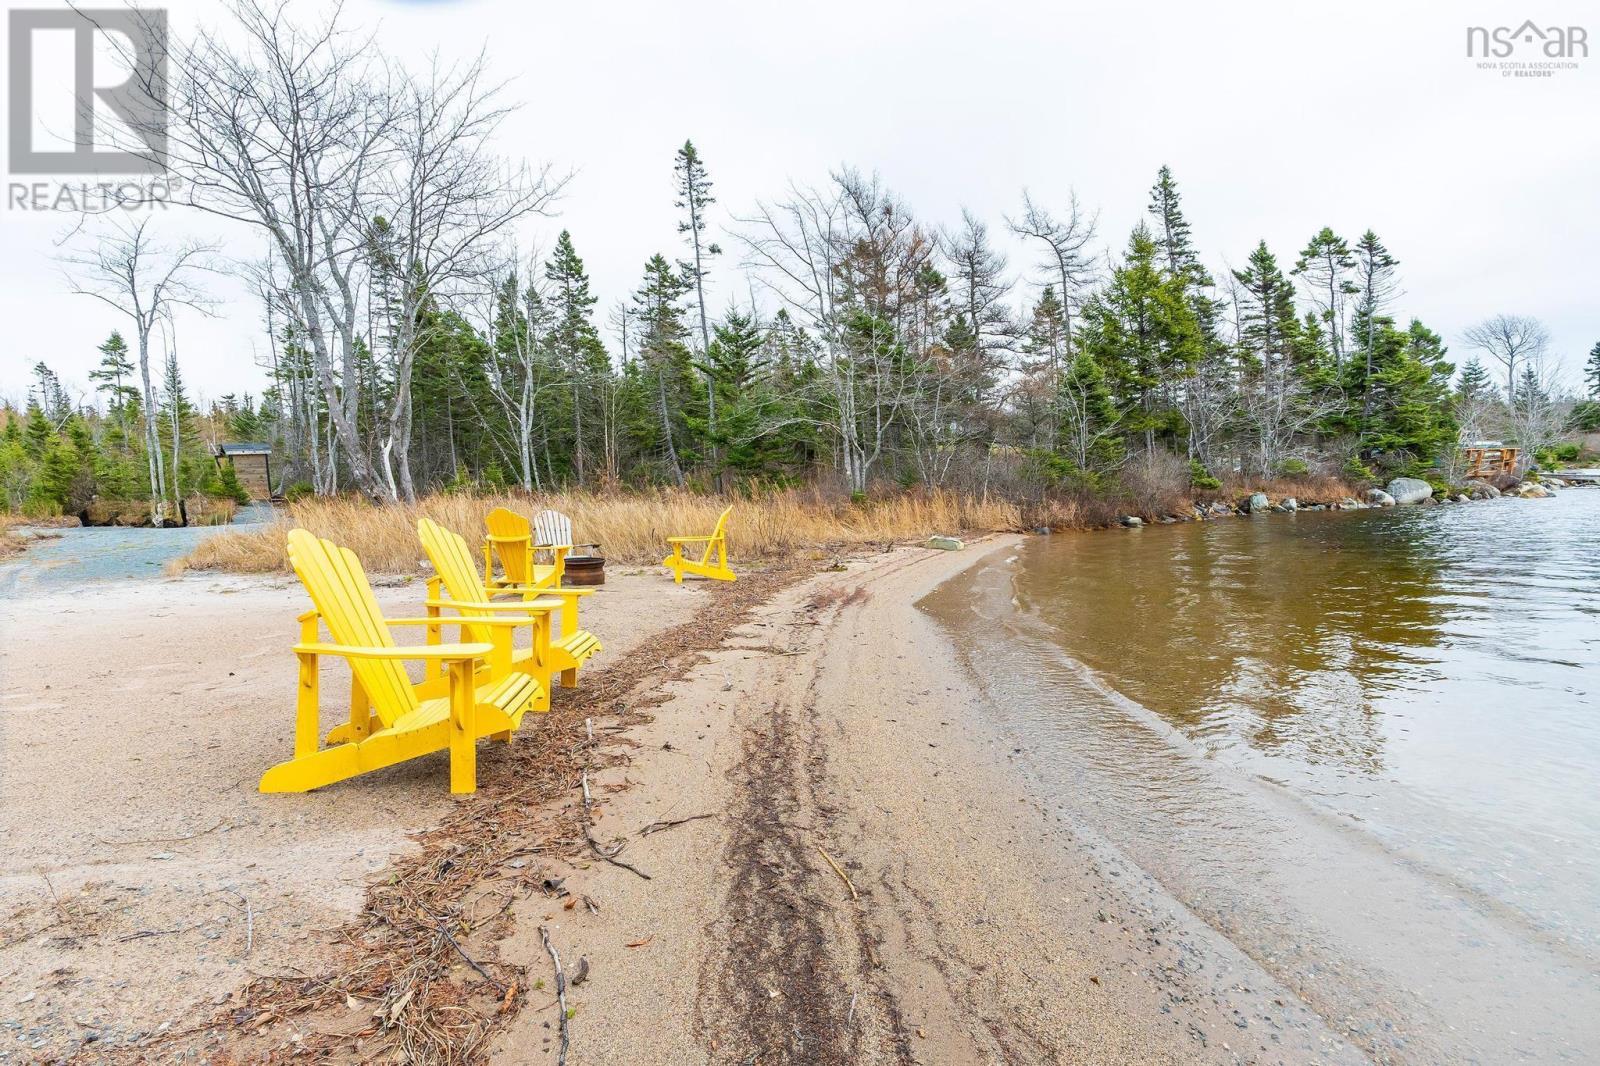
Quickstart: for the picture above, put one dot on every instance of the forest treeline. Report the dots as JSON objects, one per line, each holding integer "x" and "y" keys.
{"x": 412, "y": 348}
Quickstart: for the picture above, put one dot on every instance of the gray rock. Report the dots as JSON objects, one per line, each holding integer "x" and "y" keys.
{"x": 1379, "y": 498}
{"x": 949, "y": 544}
{"x": 1291, "y": 504}
{"x": 1257, "y": 502}
{"x": 1462, "y": 497}
{"x": 1409, "y": 490}
{"x": 1131, "y": 520}
{"x": 1482, "y": 490}
{"x": 1532, "y": 490}
{"x": 1349, "y": 503}
{"x": 1553, "y": 482}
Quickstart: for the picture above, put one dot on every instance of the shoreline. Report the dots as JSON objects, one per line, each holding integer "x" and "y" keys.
{"x": 845, "y": 865}
{"x": 864, "y": 879}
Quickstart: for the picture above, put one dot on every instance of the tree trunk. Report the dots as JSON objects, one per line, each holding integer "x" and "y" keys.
{"x": 152, "y": 439}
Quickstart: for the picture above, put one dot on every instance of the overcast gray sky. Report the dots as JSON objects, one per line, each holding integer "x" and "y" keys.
{"x": 1276, "y": 118}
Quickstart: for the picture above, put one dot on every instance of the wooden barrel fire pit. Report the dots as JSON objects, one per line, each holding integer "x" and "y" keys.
{"x": 585, "y": 570}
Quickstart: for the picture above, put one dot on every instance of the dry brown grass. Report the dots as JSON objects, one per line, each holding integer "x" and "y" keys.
{"x": 630, "y": 528}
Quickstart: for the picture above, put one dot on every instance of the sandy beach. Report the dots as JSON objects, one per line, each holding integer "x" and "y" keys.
{"x": 144, "y": 876}
{"x": 842, "y": 867}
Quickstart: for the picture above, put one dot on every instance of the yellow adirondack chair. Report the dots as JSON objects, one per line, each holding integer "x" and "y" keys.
{"x": 510, "y": 539}
{"x": 454, "y": 574}
{"x": 716, "y": 544}
{"x": 391, "y": 718}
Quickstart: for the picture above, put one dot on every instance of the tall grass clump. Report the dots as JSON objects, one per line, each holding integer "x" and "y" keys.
{"x": 630, "y": 528}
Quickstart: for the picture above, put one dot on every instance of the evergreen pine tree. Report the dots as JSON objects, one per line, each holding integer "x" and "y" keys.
{"x": 1475, "y": 382}
{"x": 1142, "y": 333}
{"x": 1375, "y": 287}
{"x": 668, "y": 365}
{"x": 114, "y": 377}
{"x": 1591, "y": 372}
{"x": 1325, "y": 266}
{"x": 577, "y": 349}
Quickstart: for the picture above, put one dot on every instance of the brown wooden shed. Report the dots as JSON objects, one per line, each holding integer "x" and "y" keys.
{"x": 252, "y": 465}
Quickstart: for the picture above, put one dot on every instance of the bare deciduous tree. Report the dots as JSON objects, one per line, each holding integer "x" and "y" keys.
{"x": 1067, "y": 264}
{"x": 435, "y": 208}
{"x": 129, "y": 270}
{"x": 1513, "y": 340}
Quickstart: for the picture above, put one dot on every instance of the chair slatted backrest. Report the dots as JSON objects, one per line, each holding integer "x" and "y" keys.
{"x": 452, "y": 561}
{"x": 718, "y": 534}
{"x": 512, "y": 540}
{"x": 551, "y": 527}
{"x": 338, "y": 587}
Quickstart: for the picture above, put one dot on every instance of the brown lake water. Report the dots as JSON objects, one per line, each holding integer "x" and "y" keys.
{"x": 1363, "y": 746}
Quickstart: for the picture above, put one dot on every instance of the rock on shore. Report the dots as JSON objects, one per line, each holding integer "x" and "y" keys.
{"x": 1410, "y": 490}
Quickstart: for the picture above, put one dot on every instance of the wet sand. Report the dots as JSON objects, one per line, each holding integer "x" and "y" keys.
{"x": 964, "y": 922}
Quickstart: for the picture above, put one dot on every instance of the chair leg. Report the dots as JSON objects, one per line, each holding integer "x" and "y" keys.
{"x": 463, "y": 735}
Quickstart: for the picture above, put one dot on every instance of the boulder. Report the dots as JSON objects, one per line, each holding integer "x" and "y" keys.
{"x": 1462, "y": 497}
{"x": 949, "y": 544}
{"x": 1409, "y": 490}
{"x": 1132, "y": 521}
{"x": 1291, "y": 504}
{"x": 1532, "y": 490}
{"x": 1482, "y": 490}
{"x": 1257, "y": 502}
{"x": 1553, "y": 482}
{"x": 1379, "y": 498}
{"x": 1350, "y": 503}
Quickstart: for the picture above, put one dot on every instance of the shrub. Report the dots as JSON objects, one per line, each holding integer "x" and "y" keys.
{"x": 1293, "y": 468}
{"x": 1586, "y": 416}
{"x": 228, "y": 486}
{"x": 1201, "y": 478}
{"x": 1356, "y": 471}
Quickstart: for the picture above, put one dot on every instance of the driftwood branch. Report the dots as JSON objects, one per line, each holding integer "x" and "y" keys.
{"x": 561, "y": 994}
{"x": 840, "y": 871}
{"x": 485, "y": 974}
{"x": 656, "y": 827}
{"x": 594, "y": 845}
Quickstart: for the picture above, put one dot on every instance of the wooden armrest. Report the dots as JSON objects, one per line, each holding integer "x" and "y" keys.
{"x": 464, "y": 620}
{"x": 445, "y": 652}
{"x": 545, "y": 590}
{"x": 525, "y": 606}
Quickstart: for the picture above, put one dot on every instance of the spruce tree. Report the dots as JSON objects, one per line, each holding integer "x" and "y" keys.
{"x": 694, "y": 198}
{"x": 1591, "y": 372}
{"x": 1172, "y": 230}
{"x": 1475, "y": 382}
{"x": 114, "y": 376}
{"x": 576, "y": 347}
{"x": 1142, "y": 333}
{"x": 667, "y": 363}
{"x": 1326, "y": 266}
{"x": 1375, "y": 287}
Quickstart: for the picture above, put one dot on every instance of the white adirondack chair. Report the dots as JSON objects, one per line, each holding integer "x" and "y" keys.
{"x": 552, "y": 532}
